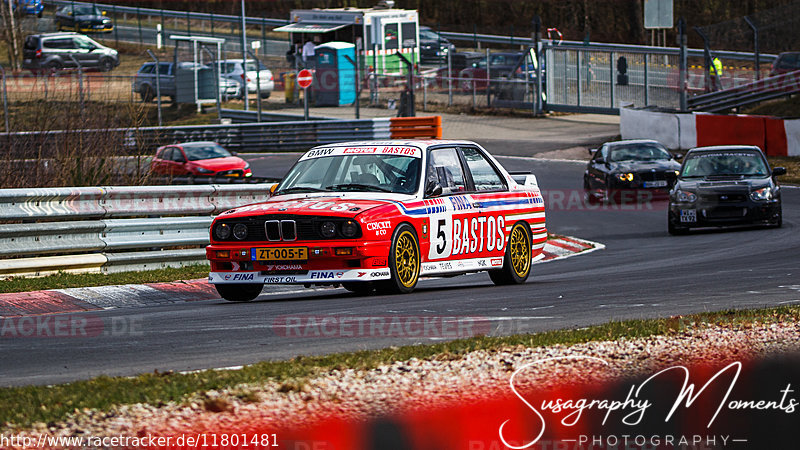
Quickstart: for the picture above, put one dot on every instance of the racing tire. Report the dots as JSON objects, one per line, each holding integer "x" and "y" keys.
{"x": 239, "y": 292}
{"x": 360, "y": 288}
{"x": 518, "y": 257}
{"x": 105, "y": 65}
{"x": 266, "y": 94}
{"x": 676, "y": 230}
{"x": 404, "y": 262}
{"x": 52, "y": 67}
{"x": 588, "y": 195}
{"x": 778, "y": 222}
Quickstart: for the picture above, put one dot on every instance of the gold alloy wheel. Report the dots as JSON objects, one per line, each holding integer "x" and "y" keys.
{"x": 406, "y": 259}
{"x": 520, "y": 251}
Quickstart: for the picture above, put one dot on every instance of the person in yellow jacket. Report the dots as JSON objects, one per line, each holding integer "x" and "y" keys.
{"x": 715, "y": 72}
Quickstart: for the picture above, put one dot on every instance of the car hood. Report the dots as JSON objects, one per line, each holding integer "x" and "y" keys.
{"x": 89, "y": 17}
{"x": 341, "y": 205}
{"x": 745, "y": 185}
{"x": 644, "y": 166}
{"x": 230, "y": 162}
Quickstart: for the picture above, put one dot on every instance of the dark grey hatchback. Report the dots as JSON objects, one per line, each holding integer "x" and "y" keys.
{"x": 725, "y": 185}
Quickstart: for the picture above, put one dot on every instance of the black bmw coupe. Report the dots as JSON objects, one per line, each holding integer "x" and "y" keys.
{"x": 725, "y": 185}
{"x": 644, "y": 167}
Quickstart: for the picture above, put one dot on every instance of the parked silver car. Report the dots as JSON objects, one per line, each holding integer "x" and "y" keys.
{"x": 145, "y": 82}
{"x": 232, "y": 70}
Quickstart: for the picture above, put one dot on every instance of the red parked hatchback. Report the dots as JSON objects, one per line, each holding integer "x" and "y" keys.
{"x": 200, "y": 159}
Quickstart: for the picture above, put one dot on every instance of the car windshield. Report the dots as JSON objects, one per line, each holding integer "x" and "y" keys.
{"x": 208, "y": 151}
{"x": 722, "y": 164}
{"x": 365, "y": 173}
{"x": 638, "y": 152}
{"x": 251, "y": 66}
{"x": 83, "y": 10}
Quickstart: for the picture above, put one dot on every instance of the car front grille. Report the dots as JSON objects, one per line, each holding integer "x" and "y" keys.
{"x": 723, "y": 197}
{"x": 288, "y": 227}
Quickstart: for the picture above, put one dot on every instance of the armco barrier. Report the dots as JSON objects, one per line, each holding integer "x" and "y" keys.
{"x": 249, "y": 137}
{"x": 130, "y": 231}
{"x": 777, "y": 137}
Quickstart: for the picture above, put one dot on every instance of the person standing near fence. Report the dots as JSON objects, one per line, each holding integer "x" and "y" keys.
{"x": 715, "y": 74}
{"x": 309, "y": 56}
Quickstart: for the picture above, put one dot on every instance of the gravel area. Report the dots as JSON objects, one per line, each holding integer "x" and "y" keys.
{"x": 417, "y": 384}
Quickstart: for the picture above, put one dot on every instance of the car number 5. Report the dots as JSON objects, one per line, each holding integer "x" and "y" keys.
{"x": 441, "y": 242}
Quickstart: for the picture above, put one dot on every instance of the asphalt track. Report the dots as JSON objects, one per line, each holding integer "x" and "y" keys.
{"x": 643, "y": 272}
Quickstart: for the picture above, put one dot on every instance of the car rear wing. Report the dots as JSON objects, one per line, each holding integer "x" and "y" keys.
{"x": 524, "y": 178}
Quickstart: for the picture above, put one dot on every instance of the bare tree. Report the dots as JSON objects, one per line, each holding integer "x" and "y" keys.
{"x": 11, "y": 33}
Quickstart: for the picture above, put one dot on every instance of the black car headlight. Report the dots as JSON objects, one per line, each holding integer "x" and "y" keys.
{"x": 685, "y": 196}
{"x": 328, "y": 229}
{"x": 762, "y": 194}
{"x": 349, "y": 229}
{"x": 222, "y": 231}
{"x": 240, "y": 231}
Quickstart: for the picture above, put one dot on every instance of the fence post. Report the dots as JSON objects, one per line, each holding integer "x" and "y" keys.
{"x": 682, "y": 64}
{"x": 488, "y": 81}
{"x": 5, "y": 100}
{"x": 449, "y": 79}
{"x": 264, "y": 38}
{"x": 646, "y": 86}
{"x": 611, "y": 77}
{"x": 578, "y": 75}
{"x": 114, "y": 17}
{"x": 755, "y": 45}
{"x": 139, "y": 21}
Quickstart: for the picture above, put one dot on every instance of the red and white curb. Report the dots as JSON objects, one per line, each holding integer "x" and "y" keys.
{"x": 70, "y": 300}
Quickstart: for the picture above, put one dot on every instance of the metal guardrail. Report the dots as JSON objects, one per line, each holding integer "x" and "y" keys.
{"x": 174, "y": 14}
{"x": 250, "y": 137}
{"x": 766, "y": 89}
{"x": 130, "y": 233}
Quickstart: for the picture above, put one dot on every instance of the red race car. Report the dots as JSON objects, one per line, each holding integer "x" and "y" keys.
{"x": 200, "y": 159}
{"x": 378, "y": 215}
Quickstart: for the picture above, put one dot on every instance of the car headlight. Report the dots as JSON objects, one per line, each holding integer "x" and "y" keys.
{"x": 222, "y": 231}
{"x": 246, "y": 165}
{"x": 625, "y": 176}
{"x": 349, "y": 229}
{"x": 685, "y": 197}
{"x": 240, "y": 231}
{"x": 762, "y": 194}
{"x": 203, "y": 170}
{"x": 677, "y": 172}
{"x": 328, "y": 229}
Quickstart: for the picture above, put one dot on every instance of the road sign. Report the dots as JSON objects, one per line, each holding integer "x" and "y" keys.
{"x": 304, "y": 78}
{"x": 657, "y": 14}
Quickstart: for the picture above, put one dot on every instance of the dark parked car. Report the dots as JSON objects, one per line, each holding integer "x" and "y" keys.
{"x": 458, "y": 61}
{"x": 198, "y": 159}
{"x": 433, "y": 48}
{"x": 725, "y": 185}
{"x": 635, "y": 166}
{"x": 144, "y": 83}
{"x": 786, "y": 62}
{"x": 54, "y": 51}
{"x": 504, "y": 68}
{"x": 83, "y": 18}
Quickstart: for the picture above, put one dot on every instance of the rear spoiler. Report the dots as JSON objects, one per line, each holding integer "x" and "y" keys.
{"x": 524, "y": 178}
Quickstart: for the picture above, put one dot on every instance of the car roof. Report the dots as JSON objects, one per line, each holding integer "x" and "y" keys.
{"x": 59, "y": 33}
{"x": 633, "y": 141}
{"x": 196, "y": 143}
{"x": 420, "y": 143}
{"x": 722, "y": 148}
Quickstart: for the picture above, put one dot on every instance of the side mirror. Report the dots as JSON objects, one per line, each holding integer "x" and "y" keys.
{"x": 433, "y": 189}
{"x": 272, "y": 189}
{"x": 678, "y": 155}
{"x": 776, "y": 171}
{"x": 592, "y": 151}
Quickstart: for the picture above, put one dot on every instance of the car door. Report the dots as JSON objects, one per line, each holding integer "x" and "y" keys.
{"x": 161, "y": 162}
{"x": 85, "y": 52}
{"x": 454, "y": 230}
{"x": 178, "y": 162}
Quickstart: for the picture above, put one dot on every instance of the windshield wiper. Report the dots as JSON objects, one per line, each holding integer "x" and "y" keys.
{"x": 358, "y": 187}
{"x": 299, "y": 189}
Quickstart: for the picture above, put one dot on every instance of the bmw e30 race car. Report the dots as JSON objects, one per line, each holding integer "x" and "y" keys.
{"x": 378, "y": 215}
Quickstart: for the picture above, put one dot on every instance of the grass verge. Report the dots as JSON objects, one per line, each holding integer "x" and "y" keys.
{"x": 26, "y": 405}
{"x": 68, "y": 280}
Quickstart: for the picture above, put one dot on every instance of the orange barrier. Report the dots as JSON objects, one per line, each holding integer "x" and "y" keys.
{"x": 416, "y": 127}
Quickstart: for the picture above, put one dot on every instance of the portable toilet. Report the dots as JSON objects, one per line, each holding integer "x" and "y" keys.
{"x": 335, "y": 75}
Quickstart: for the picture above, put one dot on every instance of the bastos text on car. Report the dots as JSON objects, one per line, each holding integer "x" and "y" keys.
{"x": 378, "y": 215}
{"x": 725, "y": 185}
